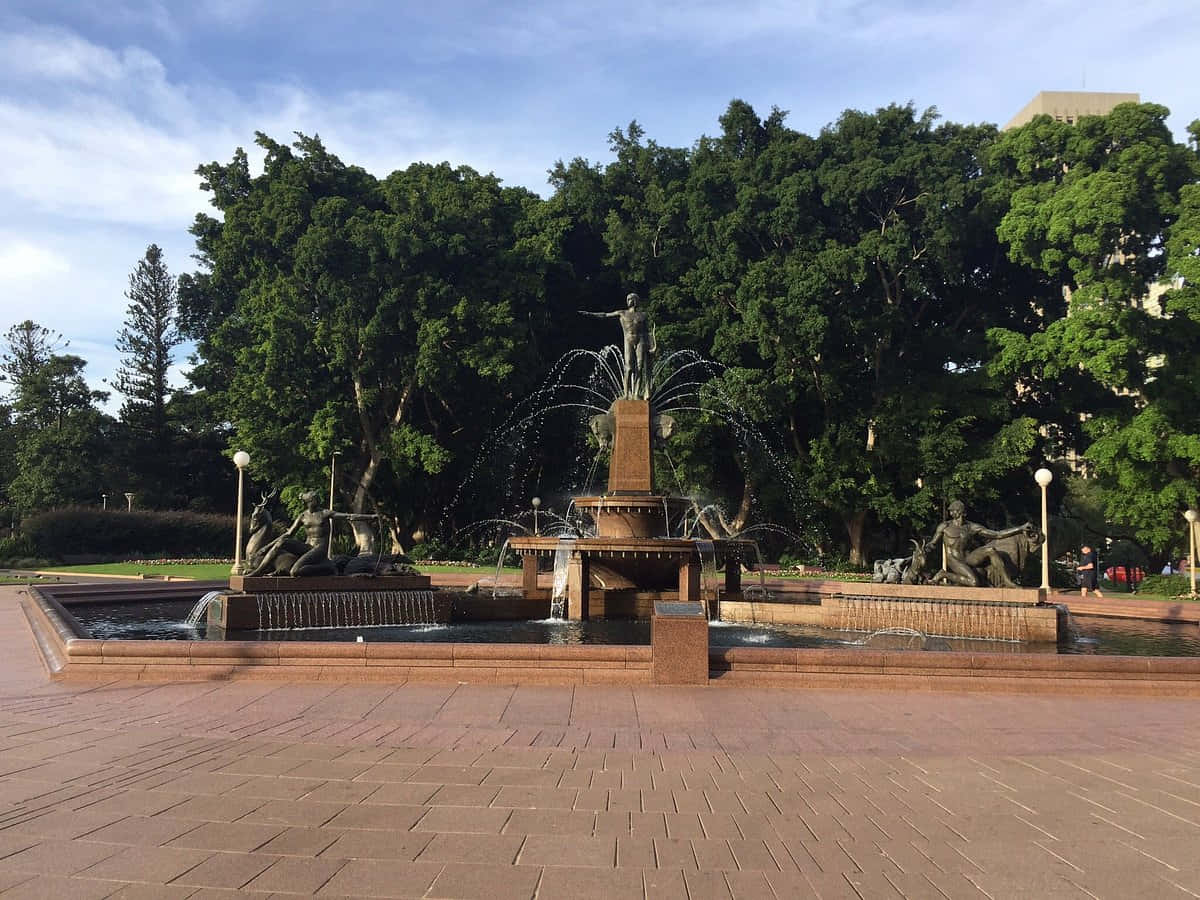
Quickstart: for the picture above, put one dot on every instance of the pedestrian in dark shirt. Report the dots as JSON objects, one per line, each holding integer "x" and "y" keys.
{"x": 1088, "y": 572}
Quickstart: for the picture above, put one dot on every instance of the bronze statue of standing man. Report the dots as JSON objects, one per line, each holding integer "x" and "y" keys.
{"x": 639, "y": 347}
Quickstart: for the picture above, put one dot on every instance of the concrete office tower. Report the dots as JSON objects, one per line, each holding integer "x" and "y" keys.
{"x": 1068, "y": 106}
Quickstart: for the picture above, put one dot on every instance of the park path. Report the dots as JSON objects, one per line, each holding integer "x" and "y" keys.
{"x": 231, "y": 789}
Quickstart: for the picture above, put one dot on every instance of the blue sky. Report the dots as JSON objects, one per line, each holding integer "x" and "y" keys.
{"x": 106, "y": 108}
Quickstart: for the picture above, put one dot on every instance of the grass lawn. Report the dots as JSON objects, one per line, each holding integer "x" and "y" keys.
{"x": 217, "y": 571}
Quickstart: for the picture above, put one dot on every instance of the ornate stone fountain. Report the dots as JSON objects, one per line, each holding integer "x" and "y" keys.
{"x": 632, "y": 560}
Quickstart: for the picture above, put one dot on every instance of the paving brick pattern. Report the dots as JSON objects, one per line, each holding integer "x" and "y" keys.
{"x": 230, "y": 789}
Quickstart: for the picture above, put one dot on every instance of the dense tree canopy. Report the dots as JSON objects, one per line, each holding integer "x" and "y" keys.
{"x": 380, "y": 319}
{"x": 1106, "y": 210}
{"x": 884, "y": 316}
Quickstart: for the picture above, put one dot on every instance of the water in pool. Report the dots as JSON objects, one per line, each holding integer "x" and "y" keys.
{"x": 163, "y": 620}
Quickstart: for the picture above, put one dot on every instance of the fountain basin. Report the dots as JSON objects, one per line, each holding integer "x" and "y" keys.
{"x": 1034, "y": 668}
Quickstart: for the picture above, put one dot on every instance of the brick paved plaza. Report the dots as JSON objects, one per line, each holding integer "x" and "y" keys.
{"x": 227, "y": 789}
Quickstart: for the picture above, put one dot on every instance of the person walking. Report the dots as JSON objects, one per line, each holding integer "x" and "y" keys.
{"x": 1087, "y": 572}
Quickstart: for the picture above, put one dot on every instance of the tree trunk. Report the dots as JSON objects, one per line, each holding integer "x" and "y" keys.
{"x": 365, "y": 537}
{"x": 713, "y": 528}
{"x": 743, "y": 514}
{"x": 855, "y": 527}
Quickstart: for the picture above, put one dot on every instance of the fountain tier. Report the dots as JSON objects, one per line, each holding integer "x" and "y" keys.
{"x": 632, "y": 561}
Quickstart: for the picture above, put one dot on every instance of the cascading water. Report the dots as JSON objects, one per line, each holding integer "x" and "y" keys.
{"x": 340, "y": 609}
{"x": 558, "y": 595}
{"x": 200, "y": 611}
{"x": 934, "y": 618}
{"x": 499, "y": 568}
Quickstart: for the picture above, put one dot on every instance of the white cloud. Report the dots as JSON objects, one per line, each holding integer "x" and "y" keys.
{"x": 100, "y": 155}
{"x": 22, "y": 261}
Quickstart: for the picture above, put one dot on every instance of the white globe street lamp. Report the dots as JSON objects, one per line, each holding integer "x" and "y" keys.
{"x": 1191, "y": 515}
{"x": 241, "y": 459}
{"x": 535, "y": 503}
{"x": 1043, "y": 477}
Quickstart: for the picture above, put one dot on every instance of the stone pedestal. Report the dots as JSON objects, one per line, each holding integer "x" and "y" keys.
{"x": 579, "y": 578}
{"x": 679, "y": 643}
{"x": 529, "y": 574}
{"x": 689, "y": 579}
{"x": 630, "y": 467}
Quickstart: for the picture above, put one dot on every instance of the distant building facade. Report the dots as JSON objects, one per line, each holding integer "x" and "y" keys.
{"x": 1068, "y": 106}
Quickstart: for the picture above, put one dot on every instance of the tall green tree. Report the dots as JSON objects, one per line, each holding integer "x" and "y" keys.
{"x": 58, "y": 436}
{"x": 844, "y": 283}
{"x": 146, "y": 341}
{"x": 382, "y": 319}
{"x": 1104, "y": 210}
{"x": 28, "y": 346}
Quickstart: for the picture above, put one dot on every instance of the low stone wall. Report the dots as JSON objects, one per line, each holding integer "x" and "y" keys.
{"x": 813, "y": 590}
{"x": 918, "y": 670}
{"x": 70, "y": 657}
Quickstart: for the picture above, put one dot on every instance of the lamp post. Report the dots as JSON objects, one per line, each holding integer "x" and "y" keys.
{"x": 535, "y": 503}
{"x": 241, "y": 459}
{"x": 332, "y": 473}
{"x": 1191, "y": 515}
{"x": 1043, "y": 477}
{"x": 104, "y": 501}
{"x": 128, "y": 501}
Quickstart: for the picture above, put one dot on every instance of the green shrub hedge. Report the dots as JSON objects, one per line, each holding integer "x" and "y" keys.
{"x": 87, "y": 534}
{"x": 1167, "y": 585}
{"x": 16, "y": 546}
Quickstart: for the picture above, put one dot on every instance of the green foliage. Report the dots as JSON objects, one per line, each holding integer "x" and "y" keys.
{"x": 900, "y": 311}
{"x": 1093, "y": 207}
{"x": 1166, "y": 585}
{"x": 56, "y": 441}
{"x": 847, "y": 282}
{"x": 86, "y": 531}
{"x": 378, "y": 318}
{"x": 145, "y": 440}
{"x": 17, "y": 546}
{"x": 146, "y": 341}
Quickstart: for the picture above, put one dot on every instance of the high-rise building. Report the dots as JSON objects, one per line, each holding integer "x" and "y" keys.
{"x": 1068, "y": 106}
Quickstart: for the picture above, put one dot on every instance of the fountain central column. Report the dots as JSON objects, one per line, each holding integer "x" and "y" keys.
{"x": 630, "y": 469}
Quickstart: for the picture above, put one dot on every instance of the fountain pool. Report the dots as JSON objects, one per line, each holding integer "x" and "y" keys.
{"x": 163, "y": 620}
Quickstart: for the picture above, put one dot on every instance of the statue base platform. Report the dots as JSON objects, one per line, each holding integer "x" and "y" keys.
{"x": 267, "y": 583}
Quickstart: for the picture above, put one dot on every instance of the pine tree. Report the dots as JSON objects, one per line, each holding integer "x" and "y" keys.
{"x": 146, "y": 340}
{"x": 28, "y": 346}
